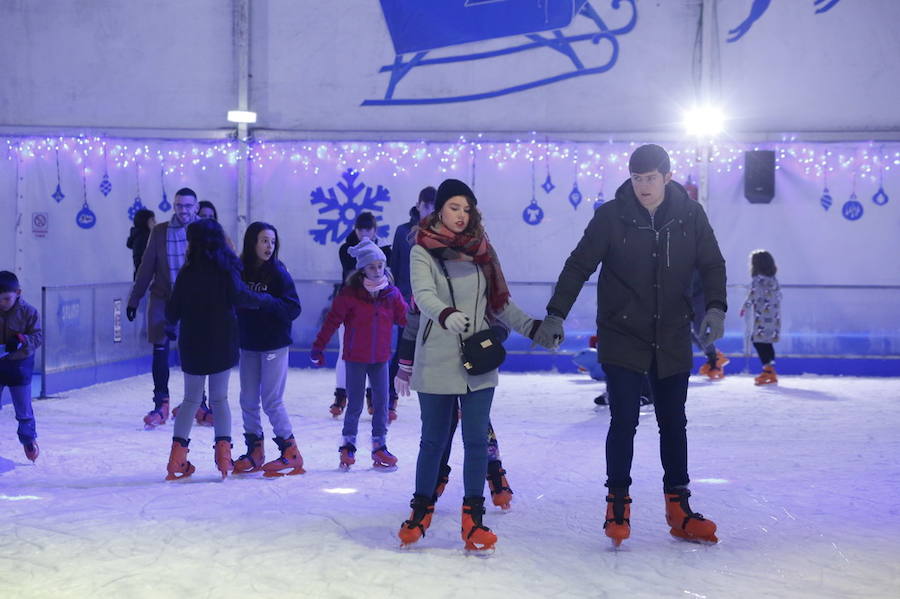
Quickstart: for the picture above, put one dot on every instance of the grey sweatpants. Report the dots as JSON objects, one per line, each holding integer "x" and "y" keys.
{"x": 218, "y": 401}
{"x": 263, "y": 377}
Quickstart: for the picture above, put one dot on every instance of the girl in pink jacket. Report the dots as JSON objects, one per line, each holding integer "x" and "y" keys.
{"x": 368, "y": 306}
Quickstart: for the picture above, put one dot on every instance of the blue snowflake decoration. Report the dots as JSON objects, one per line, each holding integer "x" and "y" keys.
{"x": 548, "y": 184}
{"x": 825, "y": 200}
{"x": 137, "y": 205}
{"x": 58, "y": 195}
{"x": 575, "y": 196}
{"x": 86, "y": 217}
{"x": 533, "y": 214}
{"x": 853, "y": 209}
{"x": 880, "y": 198}
{"x": 105, "y": 185}
{"x": 346, "y": 209}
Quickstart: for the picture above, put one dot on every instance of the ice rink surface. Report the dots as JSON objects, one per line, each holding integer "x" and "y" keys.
{"x": 803, "y": 480}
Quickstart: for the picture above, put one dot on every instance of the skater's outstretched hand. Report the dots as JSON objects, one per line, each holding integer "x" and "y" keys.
{"x": 401, "y": 381}
{"x": 712, "y": 327}
{"x": 317, "y": 358}
{"x": 550, "y": 333}
{"x": 130, "y": 313}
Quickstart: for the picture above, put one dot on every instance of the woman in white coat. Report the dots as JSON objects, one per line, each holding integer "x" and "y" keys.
{"x": 453, "y": 249}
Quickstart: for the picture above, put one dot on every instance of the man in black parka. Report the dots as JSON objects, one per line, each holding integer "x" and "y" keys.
{"x": 649, "y": 239}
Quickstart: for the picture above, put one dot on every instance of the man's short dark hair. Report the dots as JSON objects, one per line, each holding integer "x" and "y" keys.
{"x": 9, "y": 282}
{"x": 186, "y": 191}
{"x": 365, "y": 220}
{"x": 649, "y": 157}
{"x": 426, "y": 196}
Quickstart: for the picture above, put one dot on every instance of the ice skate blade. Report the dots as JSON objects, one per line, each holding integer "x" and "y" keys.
{"x": 181, "y": 476}
{"x": 279, "y": 473}
{"x": 484, "y": 551}
{"x": 384, "y": 467}
{"x": 344, "y": 467}
{"x": 683, "y": 536}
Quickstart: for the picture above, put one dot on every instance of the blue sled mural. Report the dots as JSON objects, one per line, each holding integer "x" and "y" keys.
{"x": 417, "y": 28}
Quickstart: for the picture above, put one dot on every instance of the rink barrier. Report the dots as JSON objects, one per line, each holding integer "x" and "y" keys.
{"x": 827, "y": 329}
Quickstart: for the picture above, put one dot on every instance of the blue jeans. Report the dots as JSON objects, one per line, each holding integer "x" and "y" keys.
{"x": 377, "y": 374}
{"x": 21, "y": 399}
{"x": 669, "y": 396}
{"x": 438, "y": 415}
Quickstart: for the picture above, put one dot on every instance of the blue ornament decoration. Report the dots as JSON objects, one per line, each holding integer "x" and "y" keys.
{"x": 105, "y": 185}
{"x": 164, "y": 205}
{"x": 575, "y": 196}
{"x": 86, "y": 217}
{"x": 548, "y": 183}
{"x": 825, "y": 200}
{"x": 853, "y": 209}
{"x": 533, "y": 214}
{"x": 137, "y": 205}
{"x": 58, "y": 195}
{"x": 599, "y": 201}
{"x": 345, "y": 210}
{"x": 880, "y": 198}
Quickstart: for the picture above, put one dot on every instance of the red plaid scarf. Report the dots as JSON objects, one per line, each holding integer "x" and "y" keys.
{"x": 464, "y": 246}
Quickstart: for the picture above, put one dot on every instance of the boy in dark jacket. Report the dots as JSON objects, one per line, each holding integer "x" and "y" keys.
{"x": 650, "y": 239}
{"x": 20, "y": 327}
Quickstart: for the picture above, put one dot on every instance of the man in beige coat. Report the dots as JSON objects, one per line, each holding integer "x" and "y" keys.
{"x": 159, "y": 267}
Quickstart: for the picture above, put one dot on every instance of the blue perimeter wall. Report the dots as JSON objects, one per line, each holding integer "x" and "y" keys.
{"x": 520, "y": 358}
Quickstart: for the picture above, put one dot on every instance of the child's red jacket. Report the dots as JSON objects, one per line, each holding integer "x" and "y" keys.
{"x": 368, "y": 323}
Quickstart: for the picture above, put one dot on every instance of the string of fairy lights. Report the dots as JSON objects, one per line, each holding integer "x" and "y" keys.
{"x": 860, "y": 160}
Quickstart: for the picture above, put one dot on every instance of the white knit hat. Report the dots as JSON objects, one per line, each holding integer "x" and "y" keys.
{"x": 366, "y": 253}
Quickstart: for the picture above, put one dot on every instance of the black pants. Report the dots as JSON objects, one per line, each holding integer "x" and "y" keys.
{"x": 766, "y": 352}
{"x": 669, "y": 395}
{"x": 160, "y": 372}
{"x": 393, "y": 367}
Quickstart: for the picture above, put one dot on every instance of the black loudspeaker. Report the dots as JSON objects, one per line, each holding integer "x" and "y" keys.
{"x": 759, "y": 176}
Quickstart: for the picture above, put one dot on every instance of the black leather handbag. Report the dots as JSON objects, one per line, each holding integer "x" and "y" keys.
{"x": 483, "y": 351}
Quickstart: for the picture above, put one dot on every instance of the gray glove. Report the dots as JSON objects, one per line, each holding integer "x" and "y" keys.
{"x": 712, "y": 327}
{"x": 550, "y": 332}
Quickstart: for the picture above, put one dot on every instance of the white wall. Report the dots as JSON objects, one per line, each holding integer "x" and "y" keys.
{"x": 169, "y": 64}
{"x": 810, "y": 244}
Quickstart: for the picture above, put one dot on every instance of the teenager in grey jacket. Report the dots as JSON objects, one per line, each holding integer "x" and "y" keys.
{"x": 455, "y": 246}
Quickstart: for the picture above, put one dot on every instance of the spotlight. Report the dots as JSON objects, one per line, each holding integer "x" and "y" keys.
{"x": 241, "y": 116}
{"x": 703, "y": 121}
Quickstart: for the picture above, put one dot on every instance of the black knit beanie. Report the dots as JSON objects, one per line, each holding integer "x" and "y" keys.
{"x": 450, "y": 188}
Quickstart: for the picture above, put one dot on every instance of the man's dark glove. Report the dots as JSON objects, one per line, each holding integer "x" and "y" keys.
{"x": 14, "y": 344}
{"x": 712, "y": 327}
{"x": 130, "y": 313}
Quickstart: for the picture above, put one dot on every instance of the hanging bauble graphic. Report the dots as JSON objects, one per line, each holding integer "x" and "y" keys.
{"x": 86, "y": 217}
{"x": 575, "y": 196}
{"x": 825, "y": 200}
{"x": 853, "y": 209}
{"x": 880, "y": 198}
{"x": 548, "y": 183}
{"x": 58, "y": 195}
{"x": 164, "y": 205}
{"x": 533, "y": 214}
{"x": 105, "y": 185}
{"x": 137, "y": 205}
{"x": 600, "y": 199}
